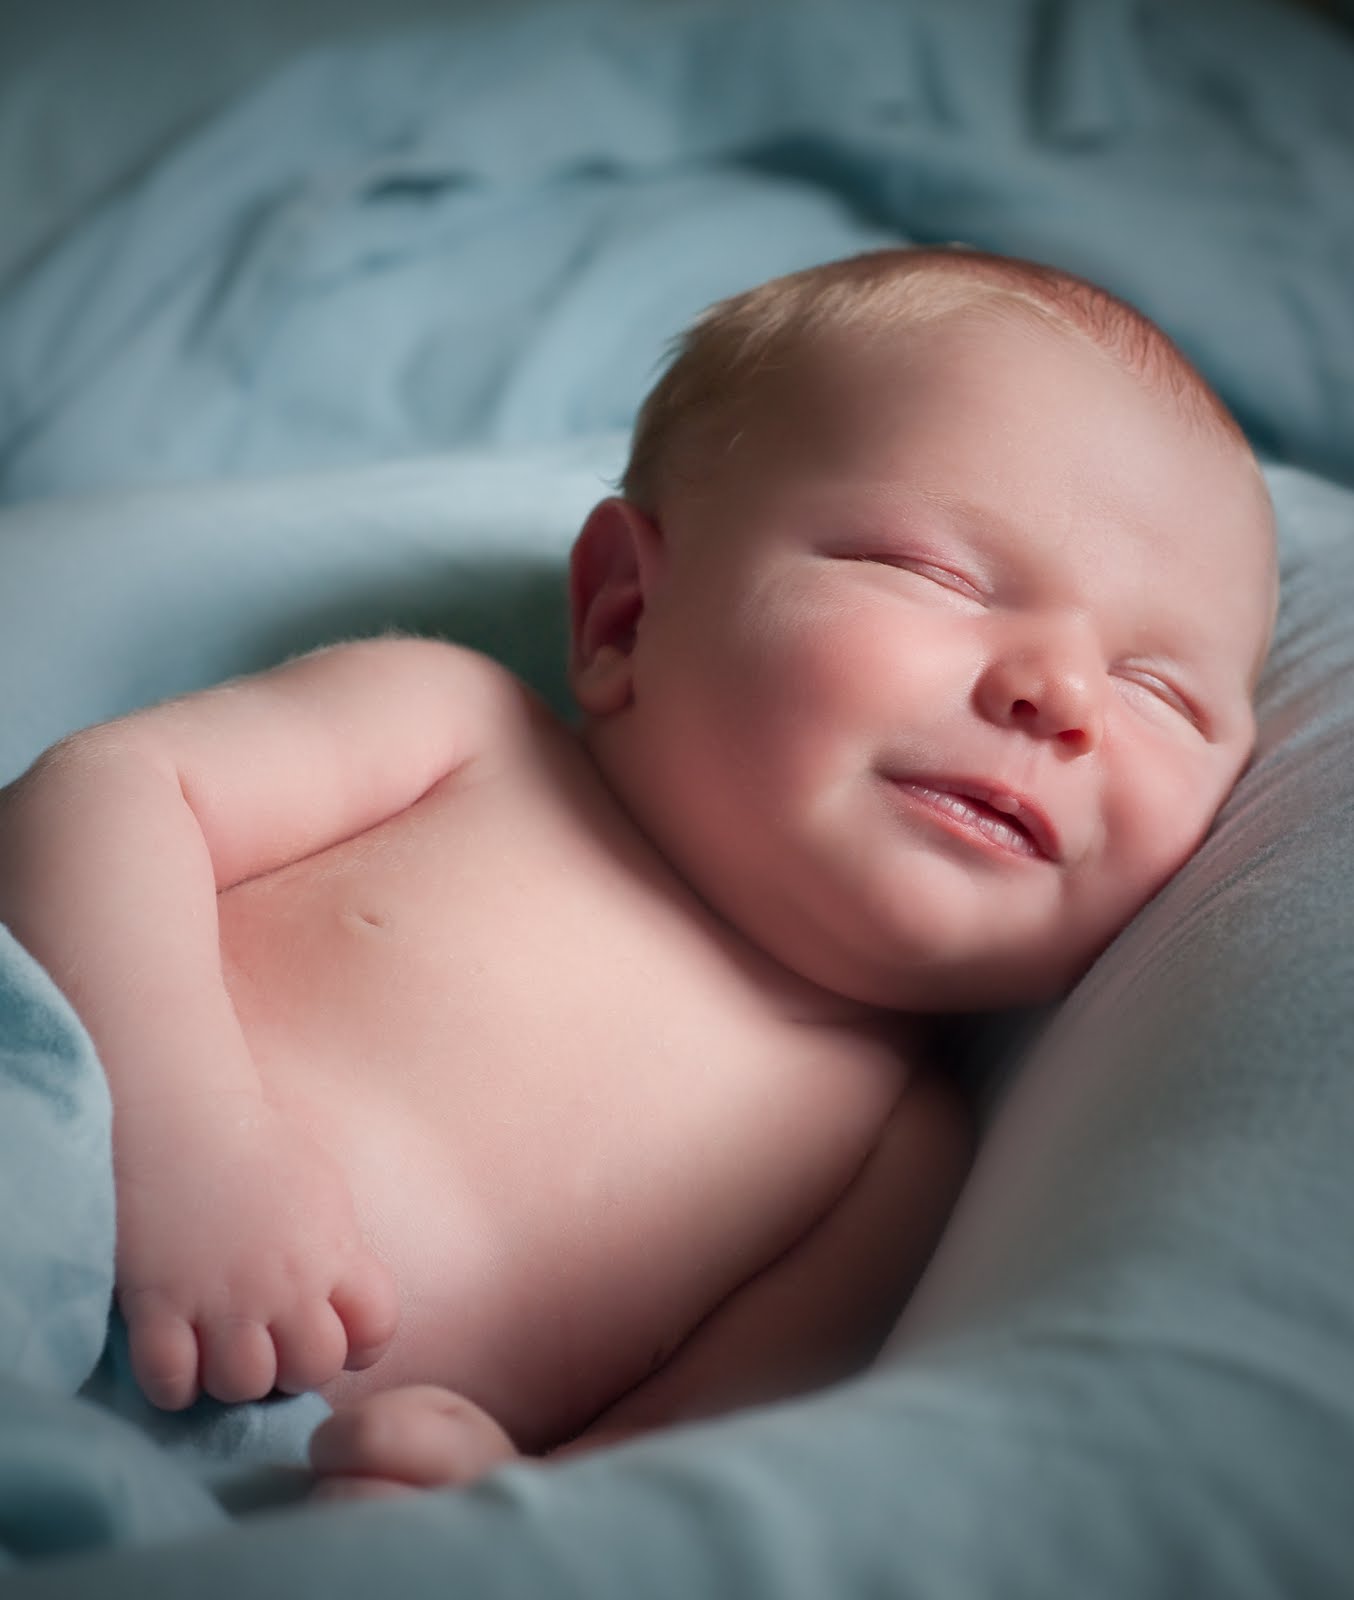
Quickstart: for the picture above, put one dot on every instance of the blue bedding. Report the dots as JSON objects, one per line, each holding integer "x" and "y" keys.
{"x": 486, "y": 234}
{"x": 357, "y": 352}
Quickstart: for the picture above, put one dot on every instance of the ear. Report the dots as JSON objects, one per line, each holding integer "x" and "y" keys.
{"x": 615, "y": 560}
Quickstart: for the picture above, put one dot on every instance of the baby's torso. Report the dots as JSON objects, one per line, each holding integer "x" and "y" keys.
{"x": 574, "y": 1112}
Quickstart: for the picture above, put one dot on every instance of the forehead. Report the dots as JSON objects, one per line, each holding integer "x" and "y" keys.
{"x": 1041, "y": 444}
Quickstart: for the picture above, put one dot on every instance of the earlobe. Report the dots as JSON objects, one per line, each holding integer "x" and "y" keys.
{"x": 614, "y": 560}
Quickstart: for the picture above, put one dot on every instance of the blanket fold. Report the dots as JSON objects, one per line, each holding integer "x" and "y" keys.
{"x": 56, "y": 1183}
{"x": 488, "y": 234}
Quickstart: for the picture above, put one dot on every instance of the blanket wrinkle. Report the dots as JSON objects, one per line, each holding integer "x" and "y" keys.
{"x": 56, "y": 1182}
{"x": 238, "y": 280}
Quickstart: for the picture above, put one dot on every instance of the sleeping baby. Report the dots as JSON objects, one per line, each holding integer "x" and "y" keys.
{"x": 521, "y": 1086}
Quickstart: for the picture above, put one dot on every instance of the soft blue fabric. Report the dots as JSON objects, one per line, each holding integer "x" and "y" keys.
{"x": 86, "y": 99}
{"x": 1131, "y": 1369}
{"x": 488, "y": 233}
{"x": 58, "y": 1183}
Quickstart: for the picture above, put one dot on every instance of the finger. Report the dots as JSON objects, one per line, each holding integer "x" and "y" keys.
{"x": 310, "y": 1347}
{"x": 238, "y": 1359}
{"x": 416, "y": 1435}
{"x": 367, "y": 1304}
{"x": 164, "y": 1357}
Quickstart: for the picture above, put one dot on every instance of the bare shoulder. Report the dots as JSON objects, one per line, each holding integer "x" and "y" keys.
{"x": 391, "y": 690}
{"x": 325, "y": 745}
{"x": 409, "y": 664}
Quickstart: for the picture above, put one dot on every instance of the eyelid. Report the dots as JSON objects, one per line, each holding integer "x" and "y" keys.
{"x": 925, "y": 567}
{"x": 948, "y": 576}
{"x": 1167, "y": 692}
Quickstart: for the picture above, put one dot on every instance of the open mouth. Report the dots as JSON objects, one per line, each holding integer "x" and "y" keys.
{"x": 999, "y": 820}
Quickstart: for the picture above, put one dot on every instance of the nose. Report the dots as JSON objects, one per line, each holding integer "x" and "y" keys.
{"x": 1048, "y": 687}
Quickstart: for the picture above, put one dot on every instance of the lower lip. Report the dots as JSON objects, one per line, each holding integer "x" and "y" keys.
{"x": 964, "y": 820}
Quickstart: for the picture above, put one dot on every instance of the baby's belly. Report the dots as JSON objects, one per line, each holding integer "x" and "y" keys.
{"x": 570, "y": 1126}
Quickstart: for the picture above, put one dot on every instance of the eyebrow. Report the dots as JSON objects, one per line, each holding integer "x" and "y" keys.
{"x": 949, "y": 501}
{"x": 959, "y": 505}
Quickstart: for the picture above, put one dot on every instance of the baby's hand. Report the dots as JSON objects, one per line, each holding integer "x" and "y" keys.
{"x": 240, "y": 1264}
{"x": 410, "y": 1438}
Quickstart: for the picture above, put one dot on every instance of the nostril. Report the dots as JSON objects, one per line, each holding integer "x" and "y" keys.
{"x": 1074, "y": 737}
{"x": 1022, "y": 710}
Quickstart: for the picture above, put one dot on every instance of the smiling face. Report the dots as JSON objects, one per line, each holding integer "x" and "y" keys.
{"x": 946, "y": 666}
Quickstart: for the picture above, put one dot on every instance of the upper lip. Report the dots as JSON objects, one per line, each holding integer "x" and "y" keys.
{"x": 1002, "y": 798}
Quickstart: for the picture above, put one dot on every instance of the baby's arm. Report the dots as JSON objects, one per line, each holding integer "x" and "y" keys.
{"x": 240, "y": 1265}
{"x": 815, "y": 1315}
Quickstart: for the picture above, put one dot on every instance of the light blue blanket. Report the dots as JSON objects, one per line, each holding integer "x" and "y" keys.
{"x": 487, "y": 234}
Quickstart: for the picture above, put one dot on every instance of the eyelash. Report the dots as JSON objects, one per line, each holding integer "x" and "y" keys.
{"x": 1163, "y": 692}
{"x": 931, "y": 570}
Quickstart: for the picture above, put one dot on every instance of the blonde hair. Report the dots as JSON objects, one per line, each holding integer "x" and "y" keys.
{"x": 714, "y": 366}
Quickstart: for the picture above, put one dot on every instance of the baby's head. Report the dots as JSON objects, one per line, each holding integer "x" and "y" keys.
{"x": 922, "y": 641}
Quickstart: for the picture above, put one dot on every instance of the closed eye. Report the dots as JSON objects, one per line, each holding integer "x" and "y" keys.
{"x": 932, "y": 571}
{"x": 1155, "y": 692}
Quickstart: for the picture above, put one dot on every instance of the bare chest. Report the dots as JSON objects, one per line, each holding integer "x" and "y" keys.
{"x": 574, "y": 1113}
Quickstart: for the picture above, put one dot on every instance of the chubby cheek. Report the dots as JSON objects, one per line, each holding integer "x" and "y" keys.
{"x": 1157, "y": 823}
{"x": 817, "y": 670}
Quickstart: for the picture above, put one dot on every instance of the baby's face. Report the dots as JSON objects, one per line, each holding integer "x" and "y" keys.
{"x": 948, "y": 666}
